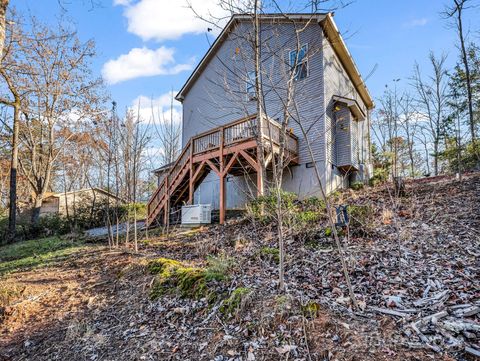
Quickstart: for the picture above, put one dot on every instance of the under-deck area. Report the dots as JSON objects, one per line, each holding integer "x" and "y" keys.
{"x": 231, "y": 149}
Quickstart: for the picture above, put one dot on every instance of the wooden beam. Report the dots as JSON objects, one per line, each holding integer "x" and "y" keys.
{"x": 222, "y": 177}
{"x": 214, "y": 168}
{"x": 222, "y": 198}
{"x": 197, "y": 172}
{"x": 250, "y": 160}
{"x": 165, "y": 214}
{"x": 180, "y": 195}
{"x": 249, "y": 144}
{"x": 230, "y": 164}
{"x": 166, "y": 211}
{"x": 190, "y": 177}
{"x": 197, "y": 158}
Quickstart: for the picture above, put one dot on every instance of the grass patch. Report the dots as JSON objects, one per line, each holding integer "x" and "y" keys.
{"x": 35, "y": 253}
{"x": 270, "y": 254}
{"x": 9, "y": 293}
{"x": 235, "y": 302}
{"x": 362, "y": 219}
{"x": 218, "y": 268}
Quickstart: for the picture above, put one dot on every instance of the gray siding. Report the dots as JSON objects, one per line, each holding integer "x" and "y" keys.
{"x": 337, "y": 82}
{"x": 343, "y": 137}
{"x": 218, "y": 96}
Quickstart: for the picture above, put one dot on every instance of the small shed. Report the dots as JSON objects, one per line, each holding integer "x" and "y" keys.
{"x": 66, "y": 202}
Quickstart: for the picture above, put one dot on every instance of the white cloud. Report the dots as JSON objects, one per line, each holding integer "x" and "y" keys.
{"x": 416, "y": 22}
{"x": 140, "y": 62}
{"x": 122, "y": 2}
{"x": 170, "y": 19}
{"x": 157, "y": 109}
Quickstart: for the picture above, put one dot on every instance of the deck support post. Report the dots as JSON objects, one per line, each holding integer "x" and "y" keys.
{"x": 222, "y": 177}
{"x": 222, "y": 199}
{"x": 166, "y": 210}
{"x": 190, "y": 177}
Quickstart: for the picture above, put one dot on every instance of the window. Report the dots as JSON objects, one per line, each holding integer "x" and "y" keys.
{"x": 299, "y": 64}
{"x": 250, "y": 86}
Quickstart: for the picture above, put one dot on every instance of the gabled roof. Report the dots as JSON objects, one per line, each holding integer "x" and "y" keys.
{"x": 352, "y": 104}
{"x": 329, "y": 28}
{"x": 83, "y": 190}
{"x": 163, "y": 168}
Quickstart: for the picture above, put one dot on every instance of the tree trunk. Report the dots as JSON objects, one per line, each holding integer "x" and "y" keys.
{"x": 467, "y": 73}
{"x": 427, "y": 158}
{"x": 260, "y": 111}
{"x": 37, "y": 205}
{"x": 12, "y": 210}
{"x": 3, "y": 13}
{"x": 412, "y": 164}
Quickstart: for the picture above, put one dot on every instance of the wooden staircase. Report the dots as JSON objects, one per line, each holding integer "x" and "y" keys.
{"x": 229, "y": 149}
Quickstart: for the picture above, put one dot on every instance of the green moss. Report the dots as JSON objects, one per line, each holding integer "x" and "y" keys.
{"x": 269, "y": 254}
{"x": 233, "y": 303}
{"x": 162, "y": 266}
{"x": 311, "y": 309}
{"x": 191, "y": 282}
{"x": 328, "y": 232}
{"x": 188, "y": 282}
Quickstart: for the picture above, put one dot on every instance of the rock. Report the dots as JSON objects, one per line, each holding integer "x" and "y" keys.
{"x": 285, "y": 349}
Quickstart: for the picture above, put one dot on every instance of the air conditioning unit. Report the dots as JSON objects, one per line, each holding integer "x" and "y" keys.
{"x": 197, "y": 214}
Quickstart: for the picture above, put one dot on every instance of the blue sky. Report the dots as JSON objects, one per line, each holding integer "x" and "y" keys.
{"x": 391, "y": 34}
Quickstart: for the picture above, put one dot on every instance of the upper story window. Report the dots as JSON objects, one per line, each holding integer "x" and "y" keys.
{"x": 299, "y": 63}
{"x": 250, "y": 86}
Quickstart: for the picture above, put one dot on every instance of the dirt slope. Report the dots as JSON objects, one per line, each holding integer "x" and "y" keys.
{"x": 95, "y": 304}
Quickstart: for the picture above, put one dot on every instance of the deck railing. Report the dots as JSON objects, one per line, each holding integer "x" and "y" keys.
{"x": 240, "y": 131}
{"x": 224, "y": 136}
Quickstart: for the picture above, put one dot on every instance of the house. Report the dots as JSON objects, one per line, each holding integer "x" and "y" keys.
{"x": 327, "y": 107}
{"x": 66, "y": 203}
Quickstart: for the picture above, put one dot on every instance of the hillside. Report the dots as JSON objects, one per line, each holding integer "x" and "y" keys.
{"x": 212, "y": 293}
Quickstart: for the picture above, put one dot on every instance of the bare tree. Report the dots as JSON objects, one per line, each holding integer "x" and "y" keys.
{"x": 275, "y": 76}
{"x": 9, "y": 70}
{"x": 409, "y": 125}
{"x": 168, "y": 130}
{"x": 455, "y": 13}
{"x": 60, "y": 90}
{"x": 432, "y": 98}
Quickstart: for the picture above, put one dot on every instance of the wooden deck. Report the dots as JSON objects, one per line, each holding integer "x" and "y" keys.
{"x": 229, "y": 149}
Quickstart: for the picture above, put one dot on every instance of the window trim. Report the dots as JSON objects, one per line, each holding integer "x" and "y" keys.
{"x": 304, "y": 60}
